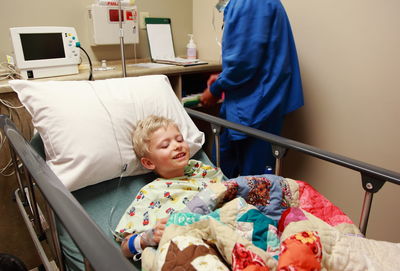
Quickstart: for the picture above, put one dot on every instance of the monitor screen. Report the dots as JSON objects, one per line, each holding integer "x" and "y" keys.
{"x": 37, "y": 46}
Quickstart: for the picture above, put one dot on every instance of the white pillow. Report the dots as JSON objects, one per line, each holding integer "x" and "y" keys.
{"x": 80, "y": 123}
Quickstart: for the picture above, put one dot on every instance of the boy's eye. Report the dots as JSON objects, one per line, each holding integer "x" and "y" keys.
{"x": 179, "y": 139}
{"x": 164, "y": 145}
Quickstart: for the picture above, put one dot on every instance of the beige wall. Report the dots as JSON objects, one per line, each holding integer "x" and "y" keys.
{"x": 74, "y": 13}
{"x": 349, "y": 55}
{"x": 207, "y": 23}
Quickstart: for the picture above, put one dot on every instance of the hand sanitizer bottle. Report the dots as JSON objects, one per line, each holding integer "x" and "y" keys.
{"x": 191, "y": 48}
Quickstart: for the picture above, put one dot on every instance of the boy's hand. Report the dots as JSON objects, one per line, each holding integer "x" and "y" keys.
{"x": 149, "y": 238}
{"x": 159, "y": 229}
{"x": 152, "y": 237}
{"x": 125, "y": 248}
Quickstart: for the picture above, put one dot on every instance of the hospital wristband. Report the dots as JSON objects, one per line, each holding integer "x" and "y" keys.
{"x": 137, "y": 244}
{"x": 134, "y": 244}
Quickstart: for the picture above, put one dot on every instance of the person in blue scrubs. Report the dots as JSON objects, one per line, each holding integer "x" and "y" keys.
{"x": 260, "y": 80}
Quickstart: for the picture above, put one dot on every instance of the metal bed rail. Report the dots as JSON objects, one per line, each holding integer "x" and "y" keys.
{"x": 96, "y": 247}
{"x": 372, "y": 177}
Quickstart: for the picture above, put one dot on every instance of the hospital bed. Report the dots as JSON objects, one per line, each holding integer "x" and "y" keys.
{"x": 77, "y": 224}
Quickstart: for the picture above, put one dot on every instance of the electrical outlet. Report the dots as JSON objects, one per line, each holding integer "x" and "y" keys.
{"x": 142, "y": 15}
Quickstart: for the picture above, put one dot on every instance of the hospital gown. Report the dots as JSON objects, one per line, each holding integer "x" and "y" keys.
{"x": 162, "y": 197}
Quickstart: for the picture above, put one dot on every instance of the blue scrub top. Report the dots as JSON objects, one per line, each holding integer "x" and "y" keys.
{"x": 260, "y": 70}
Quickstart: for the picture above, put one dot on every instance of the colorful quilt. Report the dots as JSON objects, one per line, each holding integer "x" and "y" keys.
{"x": 265, "y": 222}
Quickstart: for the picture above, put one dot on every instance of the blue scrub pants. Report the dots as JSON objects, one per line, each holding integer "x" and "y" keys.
{"x": 249, "y": 156}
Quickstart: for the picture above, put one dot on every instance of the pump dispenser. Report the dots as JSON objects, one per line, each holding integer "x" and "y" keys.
{"x": 191, "y": 48}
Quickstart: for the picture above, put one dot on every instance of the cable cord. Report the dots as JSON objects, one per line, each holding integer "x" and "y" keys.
{"x": 215, "y": 30}
{"x": 216, "y": 34}
{"x": 124, "y": 166}
{"x": 134, "y": 52}
{"x": 10, "y": 72}
{"x": 112, "y": 210}
{"x": 7, "y": 170}
{"x": 90, "y": 63}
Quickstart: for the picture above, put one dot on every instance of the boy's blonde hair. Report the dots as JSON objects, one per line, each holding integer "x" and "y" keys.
{"x": 144, "y": 129}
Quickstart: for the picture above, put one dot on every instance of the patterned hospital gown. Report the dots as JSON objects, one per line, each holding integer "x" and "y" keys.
{"x": 163, "y": 197}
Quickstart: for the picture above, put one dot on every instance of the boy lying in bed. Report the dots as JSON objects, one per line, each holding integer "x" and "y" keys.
{"x": 160, "y": 147}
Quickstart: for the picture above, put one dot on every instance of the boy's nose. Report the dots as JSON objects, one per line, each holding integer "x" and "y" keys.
{"x": 178, "y": 146}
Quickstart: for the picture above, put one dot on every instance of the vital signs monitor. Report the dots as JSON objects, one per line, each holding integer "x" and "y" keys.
{"x": 45, "y": 51}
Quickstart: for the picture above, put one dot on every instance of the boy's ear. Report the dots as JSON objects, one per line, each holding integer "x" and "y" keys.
{"x": 147, "y": 163}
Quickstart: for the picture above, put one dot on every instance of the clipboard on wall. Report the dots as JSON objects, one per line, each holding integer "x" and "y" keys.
{"x": 161, "y": 44}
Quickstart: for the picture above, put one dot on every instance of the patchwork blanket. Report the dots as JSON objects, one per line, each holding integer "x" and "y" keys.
{"x": 265, "y": 222}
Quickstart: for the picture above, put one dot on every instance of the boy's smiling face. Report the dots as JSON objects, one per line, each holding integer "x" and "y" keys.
{"x": 168, "y": 153}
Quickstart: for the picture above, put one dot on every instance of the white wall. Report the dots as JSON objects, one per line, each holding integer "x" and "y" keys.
{"x": 349, "y": 54}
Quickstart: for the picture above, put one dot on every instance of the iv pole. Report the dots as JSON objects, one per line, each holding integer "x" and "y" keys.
{"x": 121, "y": 39}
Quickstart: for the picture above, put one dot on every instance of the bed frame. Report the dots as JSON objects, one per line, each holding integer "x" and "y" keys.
{"x": 36, "y": 180}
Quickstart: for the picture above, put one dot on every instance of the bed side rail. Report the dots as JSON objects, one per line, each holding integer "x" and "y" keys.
{"x": 90, "y": 239}
{"x": 373, "y": 177}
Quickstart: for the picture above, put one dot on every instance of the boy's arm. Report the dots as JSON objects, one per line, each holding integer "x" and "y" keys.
{"x": 135, "y": 243}
{"x": 206, "y": 200}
